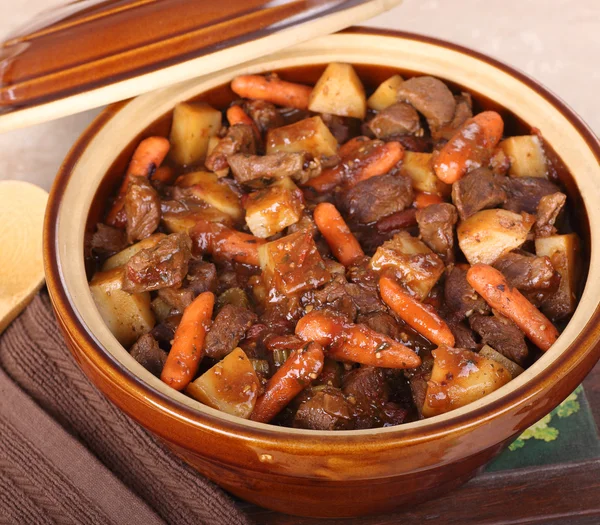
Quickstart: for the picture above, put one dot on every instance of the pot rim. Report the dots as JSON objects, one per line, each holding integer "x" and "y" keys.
{"x": 584, "y": 344}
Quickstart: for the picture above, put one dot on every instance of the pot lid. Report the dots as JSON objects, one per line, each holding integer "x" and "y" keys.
{"x": 94, "y": 52}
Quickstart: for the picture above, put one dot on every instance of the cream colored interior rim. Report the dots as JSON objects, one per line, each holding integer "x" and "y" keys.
{"x": 404, "y": 53}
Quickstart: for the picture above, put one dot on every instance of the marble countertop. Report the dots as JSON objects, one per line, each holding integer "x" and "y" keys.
{"x": 555, "y": 41}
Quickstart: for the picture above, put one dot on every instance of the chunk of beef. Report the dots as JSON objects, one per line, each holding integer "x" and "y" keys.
{"x": 257, "y": 170}
{"x": 460, "y": 297}
{"x": 397, "y": 221}
{"x": 418, "y": 144}
{"x": 226, "y": 331}
{"x": 477, "y": 190}
{"x": 418, "y": 378}
{"x": 502, "y": 335}
{"x": 264, "y": 114}
{"x": 525, "y": 193}
{"x": 334, "y": 295}
{"x": 148, "y": 354}
{"x": 547, "y": 212}
{"x": 177, "y": 298}
{"x": 326, "y": 409}
{"x": 342, "y": 128}
{"x": 463, "y": 335}
{"x": 108, "y": 240}
{"x": 201, "y": 277}
{"x": 238, "y": 139}
{"x": 366, "y": 389}
{"x": 430, "y": 97}
{"x": 377, "y": 197}
{"x": 306, "y": 224}
{"x": 142, "y": 209}
{"x": 398, "y": 119}
{"x": 464, "y": 111}
{"x": 436, "y": 225}
{"x": 363, "y": 282}
{"x": 383, "y": 323}
{"x": 162, "y": 266}
{"x": 528, "y": 272}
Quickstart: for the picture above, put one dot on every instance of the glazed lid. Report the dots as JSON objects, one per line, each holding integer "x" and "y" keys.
{"x": 94, "y": 52}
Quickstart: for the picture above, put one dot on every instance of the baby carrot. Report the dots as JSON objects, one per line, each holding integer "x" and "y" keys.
{"x": 272, "y": 89}
{"x": 298, "y": 371}
{"x": 352, "y": 146}
{"x": 414, "y": 313}
{"x": 381, "y": 160}
{"x": 236, "y": 115}
{"x": 145, "y": 159}
{"x": 188, "y": 343}
{"x": 340, "y": 239}
{"x": 470, "y": 147}
{"x": 164, "y": 174}
{"x": 422, "y": 199}
{"x": 494, "y": 288}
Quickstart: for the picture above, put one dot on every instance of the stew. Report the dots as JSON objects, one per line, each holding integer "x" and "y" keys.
{"x": 316, "y": 258}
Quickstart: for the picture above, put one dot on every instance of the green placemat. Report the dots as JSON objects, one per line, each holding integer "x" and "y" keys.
{"x": 567, "y": 434}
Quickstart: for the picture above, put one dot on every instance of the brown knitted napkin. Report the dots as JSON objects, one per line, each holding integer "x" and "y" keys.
{"x": 67, "y": 455}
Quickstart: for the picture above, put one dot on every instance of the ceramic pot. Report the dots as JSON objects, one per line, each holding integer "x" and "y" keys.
{"x": 315, "y": 473}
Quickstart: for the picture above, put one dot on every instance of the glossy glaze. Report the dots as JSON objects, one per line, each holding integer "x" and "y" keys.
{"x": 344, "y": 473}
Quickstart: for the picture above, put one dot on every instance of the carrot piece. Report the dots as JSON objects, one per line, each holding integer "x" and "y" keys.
{"x": 225, "y": 243}
{"x": 340, "y": 239}
{"x": 301, "y": 368}
{"x": 188, "y": 344}
{"x": 494, "y": 288}
{"x": 362, "y": 162}
{"x": 145, "y": 159}
{"x": 164, "y": 174}
{"x": 272, "y": 89}
{"x": 352, "y": 146}
{"x": 355, "y": 342}
{"x": 422, "y": 199}
{"x": 415, "y": 314}
{"x": 471, "y": 146}
{"x": 236, "y": 115}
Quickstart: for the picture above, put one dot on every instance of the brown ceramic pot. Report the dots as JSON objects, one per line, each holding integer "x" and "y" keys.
{"x": 315, "y": 473}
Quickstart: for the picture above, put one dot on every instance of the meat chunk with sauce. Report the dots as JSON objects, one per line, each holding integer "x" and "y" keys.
{"x": 377, "y": 197}
{"x": 477, "y": 190}
{"x": 257, "y": 170}
{"x": 548, "y": 210}
{"x": 398, "y": 119}
{"x": 383, "y": 323}
{"x": 525, "y": 193}
{"x": 335, "y": 295}
{"x": 502, "y": 335}
{"x": 227, "y": 330}
{"x": 162, "y": 266}
{"x": 148, "y": 354}
{"x": 363, "y": 287}
{"x": 464, "y": 111}
{"x": 108, "y": 240}
{"x": 264, "y": 114}
{"x": 326, "y": 409}
{"x": 238, "y": 139}
{"x": 142, "y": 209}
{"x": 460, "y": 297}
{"x": 436, "y": 225}
{"x": 367, "y": 390}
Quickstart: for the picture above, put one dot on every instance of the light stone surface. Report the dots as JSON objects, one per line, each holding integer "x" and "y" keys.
{"x": 555, "y": 41}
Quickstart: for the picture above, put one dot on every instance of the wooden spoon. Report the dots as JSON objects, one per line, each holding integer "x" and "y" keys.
{"x": 22, "y": 207}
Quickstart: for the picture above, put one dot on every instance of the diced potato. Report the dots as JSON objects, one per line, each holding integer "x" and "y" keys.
{"x": 119, "y": 259}
{"x": 527, "y": 157}
{"x": 418, "y": 267}
{"x": 490, "y": 234}
{"x": 128, "y": 316}
{"x": 177, "y": 222}
{"x": 418, "y": 166}
{"x": 212, "y": 144}
{"x": 292, "y": 264}
{"x": 563, "y": 251}
{"x": 230, "y": 386}
{"x": 207, "y": 187}
{"x": 460, "y": 377}
{"x": 271, "y": 210}
{"x": 513, "y": 368}
{"x": 386, "y": 94}
{"x": 340, "y": 92}
{"x": 309, "y": 135}
{"x": 193, "y": 125}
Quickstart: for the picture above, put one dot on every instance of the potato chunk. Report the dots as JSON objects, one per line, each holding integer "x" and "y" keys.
{"x": 460, "y": 377}
{"x": 310, "y": 135}
{"x": 272, "y": 209}
{"x": 526, "y": 155}
{"x": 340, "y": 92}
{"x": 119, "y": 259}
{"x": 193, "y": 125}
{"x": 230, "y": 386}
{"x": 386, "y": 94}
{"x": 563, "y": 251}
{"x": 128, "y": 316}
{"x": 293, "y": 264}
{"x": 207, "y": 187}
{"x": 417, "y": 266}
{"x": 177, "y": 222}
{"x": 419, "y": 167}
{"x": 513, "y": 368}
{"x": 489, "y": 234}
